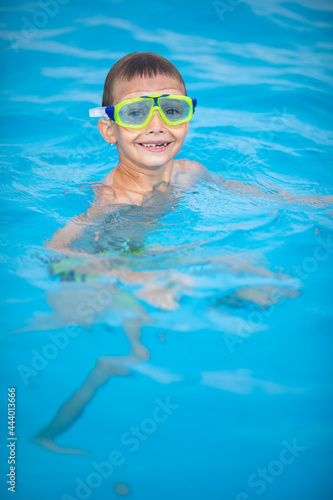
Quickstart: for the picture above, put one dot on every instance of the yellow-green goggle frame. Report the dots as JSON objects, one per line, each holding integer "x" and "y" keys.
{"x": 173, "y": 109}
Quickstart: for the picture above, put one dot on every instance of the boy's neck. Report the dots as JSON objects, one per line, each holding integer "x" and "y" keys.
{"x": 142, "y": 181}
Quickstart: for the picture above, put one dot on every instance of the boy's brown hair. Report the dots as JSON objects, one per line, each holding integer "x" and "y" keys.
{"x": 141, "y": 64}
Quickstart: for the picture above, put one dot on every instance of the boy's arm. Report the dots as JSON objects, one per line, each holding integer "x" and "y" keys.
{"x": 269, "y": 191}
{"x": 264, "y": 190}
{"x": 65, "y": 236}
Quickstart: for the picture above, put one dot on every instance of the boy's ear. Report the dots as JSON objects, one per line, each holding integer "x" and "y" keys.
{"x": 106, "y": 128}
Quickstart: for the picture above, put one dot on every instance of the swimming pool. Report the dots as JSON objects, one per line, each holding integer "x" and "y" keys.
{"x": 228, "y": 287}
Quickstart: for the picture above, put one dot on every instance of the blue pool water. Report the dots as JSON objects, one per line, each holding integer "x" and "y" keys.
{"x": 228, "y": 283}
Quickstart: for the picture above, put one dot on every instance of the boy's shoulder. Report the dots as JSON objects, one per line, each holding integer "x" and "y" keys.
{"x": 188, "y": 166}
{"x": 188, "y": 171}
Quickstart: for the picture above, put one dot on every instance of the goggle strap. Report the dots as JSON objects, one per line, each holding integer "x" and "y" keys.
{"x": 109, "y": 110}
{"x": 102, "y": 112}
{"x": 96, "y": 112}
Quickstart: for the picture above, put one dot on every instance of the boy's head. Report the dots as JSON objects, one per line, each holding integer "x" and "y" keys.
{"x": 156, "y": 143}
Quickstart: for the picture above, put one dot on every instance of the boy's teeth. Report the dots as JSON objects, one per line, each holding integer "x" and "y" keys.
{"x": 155, "y": 145}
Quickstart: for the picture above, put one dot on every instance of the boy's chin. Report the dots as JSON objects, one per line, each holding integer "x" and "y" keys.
{"x": 155, "y": 163}
{"x": 153, "y": 160}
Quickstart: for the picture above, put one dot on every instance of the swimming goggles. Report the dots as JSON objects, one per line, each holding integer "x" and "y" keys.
{"x": 137, "y": 112}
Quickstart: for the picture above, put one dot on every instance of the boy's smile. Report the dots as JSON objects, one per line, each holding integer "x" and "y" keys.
{"x": 155, "y": 146}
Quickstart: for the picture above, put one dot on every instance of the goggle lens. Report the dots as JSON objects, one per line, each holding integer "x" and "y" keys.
{"x": 135, "y": 113}
{"x": 175, "y": 109}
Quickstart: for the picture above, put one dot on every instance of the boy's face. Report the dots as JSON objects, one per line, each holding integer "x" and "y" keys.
{"x": 132, "y": 144}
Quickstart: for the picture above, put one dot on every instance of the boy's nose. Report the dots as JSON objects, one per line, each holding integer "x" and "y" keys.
{"x": 156, "y": 124}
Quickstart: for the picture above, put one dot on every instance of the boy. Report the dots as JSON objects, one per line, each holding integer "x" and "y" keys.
{"x": 148, "y": 134}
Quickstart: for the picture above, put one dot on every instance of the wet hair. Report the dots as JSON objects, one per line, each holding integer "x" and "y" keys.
{"x": 143, "y": 64}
